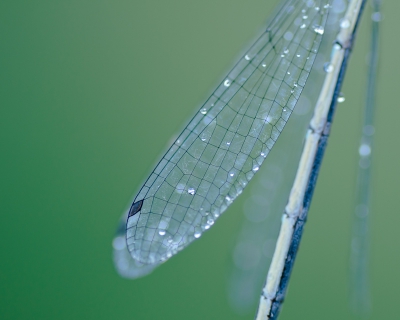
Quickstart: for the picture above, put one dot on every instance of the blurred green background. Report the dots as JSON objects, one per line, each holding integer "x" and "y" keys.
{"x": 91, "y": 92}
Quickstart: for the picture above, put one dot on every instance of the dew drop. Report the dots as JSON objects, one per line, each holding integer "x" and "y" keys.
{"x": 286, "y": 51}
{"x": 247, "y": 57}
{"x": 192, "y": 191}
{"x": 203, "y": 111}
{"x": 303, "y": 26}
{"x": 305, "y": 17}
{"x": 197, "y": 233}
{"x": 345, "y": 24}
{"x": 119, "y": 243}
{"x": 328, "y": 67}
{"x": 231, "y": 174}
{"x": 298, "y": 56}
{"x": 288, "y": 36}
{"x": 210, "y": 221}
{"x": 264, "y": 65}
{"x": 227, "y": 83}
{"x": 161, "y": 232}
{"x": 288, "y": 72}
{"x": 256, "y": 168}
{"x": 341, "y": 98}
{"x": 337, "y": 46}
{"x": 376, "y": 17}
{"x": 319, "y": 29}
{"x": 365, "y": 150}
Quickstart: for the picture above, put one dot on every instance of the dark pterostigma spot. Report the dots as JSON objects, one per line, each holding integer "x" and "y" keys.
{"x": 135, "y": 208}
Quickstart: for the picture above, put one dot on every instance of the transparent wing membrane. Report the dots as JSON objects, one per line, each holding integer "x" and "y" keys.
{"x": 228, "y": 139}
{"x": 125, "y": 265}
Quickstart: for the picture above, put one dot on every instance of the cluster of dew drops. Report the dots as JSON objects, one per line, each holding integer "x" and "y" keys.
{"x": 316, "y": 28}
{"x": 345, "y": 23}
